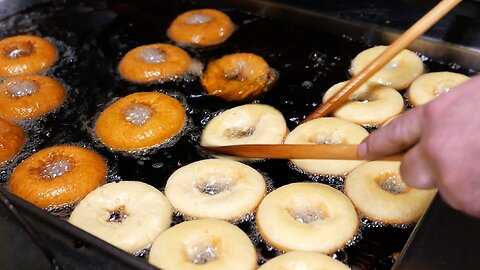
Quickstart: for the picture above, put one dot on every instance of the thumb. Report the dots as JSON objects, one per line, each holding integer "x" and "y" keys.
{"x": 400, "y": 134}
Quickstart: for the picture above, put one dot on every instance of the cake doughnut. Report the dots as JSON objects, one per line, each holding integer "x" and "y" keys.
{"x": 154, "y": 63}
{"x": 129, "y": 215}
{"x": 238, "y": 76}
{"x": 140, "y": 121}
{"x": 214, "y": 188}
{"x": 428, "y": 86}
{"x": 12, "y": 140}
{"x": 245, "y": 124}
{"x": 25, "y": 54}
{"x": 58, "y": 176}
{"x": 201, "y": 28}
{"x": 30, "y": 96}
{"x": 327, "y": 130}
{"x": 371, "y": 104}
{"x": 307, "y": 217}
{"x": 398, "y": 73}
{"x": 203, "y": 244}
{"x": 303, "y": 260}
{"x": 378, "y": 192}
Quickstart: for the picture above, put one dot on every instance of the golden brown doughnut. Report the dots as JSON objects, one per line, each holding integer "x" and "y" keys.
{"x": 30, "y": 96}
{"x": 239, "y": 76}
{"x": 154, "y": 63}
{"x": 25, "y": 55}
{"x": 201, "y": 27}
{"x": 12, "y": 139}
{"x": 57, "y": 176}
{"x": 140, "y": 121}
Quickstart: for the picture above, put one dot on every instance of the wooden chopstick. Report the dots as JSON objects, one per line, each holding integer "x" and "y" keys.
{"x": 402, "y": 42}
{"x": 294, "y": 151}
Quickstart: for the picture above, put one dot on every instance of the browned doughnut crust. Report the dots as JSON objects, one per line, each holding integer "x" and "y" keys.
{"x": 239, "y": 76}
{"x": 12, "y": 139}
{"x": 172, "y": 63}
{"x": 49, "y": 94}
{"x": 167, "y": 119}
{"x": 201, "y": 27}
{"x": 32, "y": 182}
{"x": 25, "y": 54}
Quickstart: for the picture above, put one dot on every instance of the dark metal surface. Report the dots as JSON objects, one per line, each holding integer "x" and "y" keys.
{"x": 445, "y": 239}
{"x": 427, "y": 249}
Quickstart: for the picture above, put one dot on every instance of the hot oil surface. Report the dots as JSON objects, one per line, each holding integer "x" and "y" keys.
{"x": 309, "y": 61}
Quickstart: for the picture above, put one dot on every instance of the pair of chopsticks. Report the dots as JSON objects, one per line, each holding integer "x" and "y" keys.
{"x": 348, "y": 152}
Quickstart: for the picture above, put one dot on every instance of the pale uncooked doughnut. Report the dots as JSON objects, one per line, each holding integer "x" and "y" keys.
{"x": 129, "y": 215}
{"x": 378, "y": 192}
{"x": 203, "y": 244}
{"x": 213, "y": 188}
{"x": 327, "y": 130}
{"x": 307, "y": 217}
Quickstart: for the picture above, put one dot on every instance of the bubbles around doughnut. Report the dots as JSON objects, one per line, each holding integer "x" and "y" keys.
{"x": 12, "y": 140}
{"x": 327, "y": 130}
{"x": 201, "y": 28}
{"x": 203, "y": 244}
{"x": 303, "y": 260}
{"x": 58, "y": 176}
{"x": 155, "y": 63}
{"x": 428, "y": 86}
{"x": 30, "y": 96}
{"x": 212, "y": 188}
{"x": 140, "y": 121}
{"x": 371, "y": 104}
{"x": 129, "y": 215}
{"x": 378, "y": 192}
{"x": 398, "y": 73}
{"x": 307, "y": 217}
{"x": 25, "y": 54}
{"x": 239, "y": 76}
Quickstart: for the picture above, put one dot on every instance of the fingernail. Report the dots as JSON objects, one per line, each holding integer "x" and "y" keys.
{"x": 362, "y": 150}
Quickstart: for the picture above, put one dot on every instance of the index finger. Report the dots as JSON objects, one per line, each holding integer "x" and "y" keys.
{"x": 399, "y": 135}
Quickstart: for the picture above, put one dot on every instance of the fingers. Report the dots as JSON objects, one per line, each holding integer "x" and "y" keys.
{"x": 401, "y": 134}
{"x": 416, "y": 170}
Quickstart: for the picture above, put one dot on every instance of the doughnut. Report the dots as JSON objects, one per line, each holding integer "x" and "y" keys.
{"x": 140, "y": 121}
{"x": 327, "y": 130}
{"x": 25, "y": 54}
{"x": 214, "y": 188}
{"x": 201, "y": 28}
{"x": 303, "y": 260}
{"x": 307, "y": 217}
{"x": 398, "y": 73}
{"x": 238, "y": 76}
{"x": 12, "y": 140}
{"x": 245, "y": 124}
{"x": 371, "y": 104}
{"x": 129, "y": 215}
{"x": 30, "y": 96}
{"x": 154, "y": 63}
{"x": 58, "y": 176}
{"x": 203, "y": 244}
{"x": 378, "y": 192}
{"x": 428, "y": 86}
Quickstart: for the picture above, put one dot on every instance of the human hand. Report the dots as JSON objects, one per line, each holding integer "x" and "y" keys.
{"x": 442, "y": 139}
